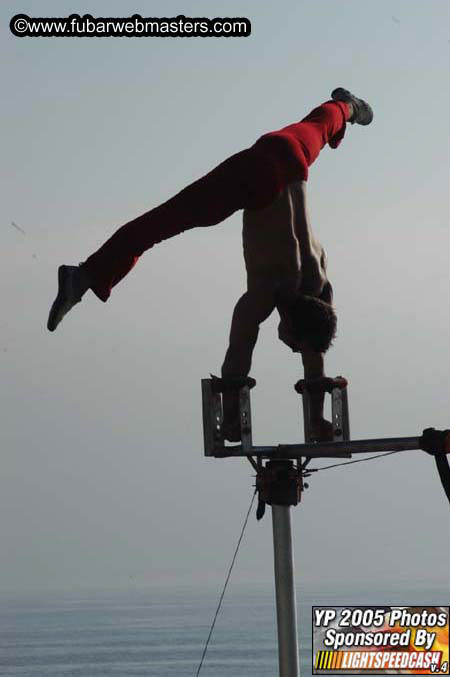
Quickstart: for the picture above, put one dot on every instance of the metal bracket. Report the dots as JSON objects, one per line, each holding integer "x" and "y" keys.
{"x": 279, "y": 483}
{"x": 245, "y": 416}
{"x": 340, "y": 415}
{"x": 213, "y": 437}
{"x": 337, "y": 387}
{"x": 212, "y": 418}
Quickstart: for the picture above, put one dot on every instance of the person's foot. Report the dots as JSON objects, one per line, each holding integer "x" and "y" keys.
{"x": 72, "y": 284}
{"x": 362, "y": 112}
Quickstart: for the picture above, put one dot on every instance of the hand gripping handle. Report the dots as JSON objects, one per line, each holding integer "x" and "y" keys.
{"x": 223, "y": 385}
{"x": 325, "y": 384}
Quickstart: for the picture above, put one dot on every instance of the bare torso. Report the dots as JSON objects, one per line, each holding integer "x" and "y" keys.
{"x": 280, "y": 248}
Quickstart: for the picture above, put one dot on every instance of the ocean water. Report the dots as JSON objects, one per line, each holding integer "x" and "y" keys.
{"x": 140, "y": 631}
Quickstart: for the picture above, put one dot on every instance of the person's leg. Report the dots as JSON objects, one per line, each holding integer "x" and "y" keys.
{"x": 299, "y": 144}
{"x": 326, "y": 124}
{"x": 247, "y": 179}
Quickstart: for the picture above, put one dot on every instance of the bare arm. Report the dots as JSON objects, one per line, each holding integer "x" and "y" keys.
{"x": 251, "y": 310}
{"x": 302, "y": 223}
{"x": 313, "y": 367}
{"x": 313, "y": 264}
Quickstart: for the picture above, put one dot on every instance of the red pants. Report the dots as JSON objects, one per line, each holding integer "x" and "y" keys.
{"x": 250, "y": 179}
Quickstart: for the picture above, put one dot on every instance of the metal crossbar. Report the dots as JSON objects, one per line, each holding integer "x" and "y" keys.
{"x": 341, "y": 446}
{"x": 322, "y": 449}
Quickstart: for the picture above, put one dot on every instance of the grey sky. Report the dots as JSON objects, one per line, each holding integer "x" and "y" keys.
{"x": 102, "y": 473}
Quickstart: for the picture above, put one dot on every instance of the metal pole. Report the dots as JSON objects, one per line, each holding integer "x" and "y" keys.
{"x": 285, "y": 591}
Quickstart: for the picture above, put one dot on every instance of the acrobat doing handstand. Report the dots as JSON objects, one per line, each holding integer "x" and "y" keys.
{"x": 267, "y": 180}
{"x": 286, "y": 270}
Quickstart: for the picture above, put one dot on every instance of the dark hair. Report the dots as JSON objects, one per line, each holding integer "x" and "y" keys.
{"x": 313, "y": 321}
